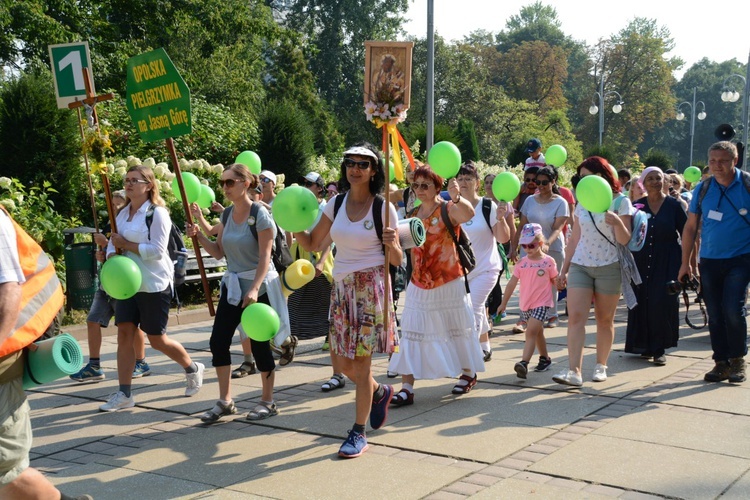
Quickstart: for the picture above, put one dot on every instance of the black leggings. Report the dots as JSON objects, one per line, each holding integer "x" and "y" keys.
{"x": 225, "y": 323}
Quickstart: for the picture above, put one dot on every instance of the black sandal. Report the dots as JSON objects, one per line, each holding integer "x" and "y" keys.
{"x": 404, "y": 397}
{"x": 336, "y": 382}
{"x": 464, "y": 389}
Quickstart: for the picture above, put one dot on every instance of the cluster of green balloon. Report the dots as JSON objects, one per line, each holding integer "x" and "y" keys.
{"x": 444, "y": 159}
{"x": 251, "y": 160}
{"x": 259, "y": 321}
{"x": 506, "y": 186}
{"x": 192, "y": 187}
{"x": 692, "y": 174}
{"x": 594, "y": 194}
{"x": 555, "y": 155}
{"x": 121, "y": 277}
{"x": 295, "y": 209}
{"x": 207, "y": 197}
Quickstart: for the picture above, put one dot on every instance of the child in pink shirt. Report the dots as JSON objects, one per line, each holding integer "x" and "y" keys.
{"x": 536, "y": 271}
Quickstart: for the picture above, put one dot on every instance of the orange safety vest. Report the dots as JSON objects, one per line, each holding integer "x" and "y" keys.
{"x": 41, "y": 294}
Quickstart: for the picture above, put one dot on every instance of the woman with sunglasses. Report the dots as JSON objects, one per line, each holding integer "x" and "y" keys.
{"x": 148, "y": 309}
{"x": 528, "y": 188}
{"x": 438, "y": 337}
{"x": 653, "y": 325}
{"x": 485, "y": 230}
{"x": 250, "y": 278}
{"x": 550, "y": 210}
{"x": 358, "y": 328}
{"x": 592, "y": 271}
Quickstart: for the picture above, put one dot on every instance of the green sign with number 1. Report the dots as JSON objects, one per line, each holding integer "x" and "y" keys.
{"x": 67, "y": 61}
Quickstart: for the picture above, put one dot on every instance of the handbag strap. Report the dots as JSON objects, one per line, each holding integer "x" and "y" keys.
{"x": 597, "y": 229}
{"x": 449, "y": 225}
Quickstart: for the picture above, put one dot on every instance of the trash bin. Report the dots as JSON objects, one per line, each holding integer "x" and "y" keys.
{"x": 80, "y": 275}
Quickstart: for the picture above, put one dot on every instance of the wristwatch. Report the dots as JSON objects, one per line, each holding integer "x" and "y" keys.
{"x": 457, "y": 198}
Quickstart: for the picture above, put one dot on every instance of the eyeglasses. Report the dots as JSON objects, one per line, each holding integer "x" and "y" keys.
{"x": 465, "y": 179}
{"x": 415, "y": 186}
{"x": 309, "y": 184}
{"x": 264, "y": 180}
{"x": 530, "y": 246}
{"x": 530, "y": 180}
{"x": 361, "y": 164}
{"x": 228, "y": 182}
{"x": 127, "y": 182}
{"x": 543, "y": 183}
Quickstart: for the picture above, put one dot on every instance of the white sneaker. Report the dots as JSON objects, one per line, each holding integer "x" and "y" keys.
{"x": 194, "y": 380}
{"x": 600, "y": 373}
{"x": 568, "y": 377}
{"x": 118, "y": 401}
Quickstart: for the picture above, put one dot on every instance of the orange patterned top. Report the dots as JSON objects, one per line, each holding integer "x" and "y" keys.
{"x": 436, "y": 262}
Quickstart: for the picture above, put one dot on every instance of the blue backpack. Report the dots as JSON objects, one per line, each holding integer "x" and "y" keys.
{"x": 639, "y": 226}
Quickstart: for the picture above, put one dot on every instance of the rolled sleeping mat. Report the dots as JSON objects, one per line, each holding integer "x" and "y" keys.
{"x": 297, "y": 275}
{"x": 54, "y": 358}
{"x": 411, "y": 233}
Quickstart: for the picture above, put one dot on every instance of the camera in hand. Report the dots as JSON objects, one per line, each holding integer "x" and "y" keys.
{"x": 674, "y": 287}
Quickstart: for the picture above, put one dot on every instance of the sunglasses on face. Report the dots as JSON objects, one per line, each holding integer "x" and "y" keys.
{"x": 530, "y": 246}
{"x": 360, "y": 164}
{"x": 530, "y": 180}
{"x": 127, "y": 182}
{"x": 543, "y": 183}
{"x": 416, "y": 185}
{"x": 310, "y": 184}
{"x": 265, "y": 180}
{"x": 227, "y": 182}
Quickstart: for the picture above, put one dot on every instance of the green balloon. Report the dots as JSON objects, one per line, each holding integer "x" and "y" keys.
{"x": 392, "y": 171}
{"x": 555, "y": 155}
{"x": 594, "y": 194}
{"x": 251, "y": 160}
{"x": 295, "y": 209}
{"x": 260, "y": 322}
{"x": 444, "y": 159}
{"x": 192, "y": 187}
{"x": 121, "y": 277}
{"x": 206, "y": 197}
{"x": 506, "y": 186}
{"x": 692, "y": 174}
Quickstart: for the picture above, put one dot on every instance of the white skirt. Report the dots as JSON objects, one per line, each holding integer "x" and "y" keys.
{"x": 438, "y": 338}
{"x": 481, "y": 285}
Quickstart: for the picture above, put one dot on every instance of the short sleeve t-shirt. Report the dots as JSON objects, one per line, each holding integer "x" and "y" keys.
{"x": 593, "y": 250}
{"x": 536, "y": 278}
{"x": 545, "y": 214}
{"x": 357, "y": 244}
{"x": 531, "y": 162}
{"x": 241, "y": 248}
{"x": 483, "y": 240}
{"x": 10, "y": 264}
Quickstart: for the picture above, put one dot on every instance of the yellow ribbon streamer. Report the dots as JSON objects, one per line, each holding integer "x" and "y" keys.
{"x": 396, "y": 152}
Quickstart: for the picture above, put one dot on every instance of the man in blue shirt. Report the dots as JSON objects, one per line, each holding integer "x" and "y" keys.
{"x": 724, "y": 213}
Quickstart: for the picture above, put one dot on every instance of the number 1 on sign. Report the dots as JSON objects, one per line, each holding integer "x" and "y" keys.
{"x": 73, "y": 59}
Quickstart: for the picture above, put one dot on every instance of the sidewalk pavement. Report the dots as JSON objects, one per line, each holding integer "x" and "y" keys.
{"x": 647, "y": 432}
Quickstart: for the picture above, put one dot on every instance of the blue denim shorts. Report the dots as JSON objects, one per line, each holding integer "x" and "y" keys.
{"x": 102, "y": 309}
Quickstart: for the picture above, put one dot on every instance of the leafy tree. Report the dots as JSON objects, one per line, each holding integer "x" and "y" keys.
{"x": 417, "y": 132}
{"x": 286, "y": 141}
{"x": 41, "y": 142}
{"x": 540, "y": 82}
{"x": 467, "y": 140}
{"x": 659, "y": 159}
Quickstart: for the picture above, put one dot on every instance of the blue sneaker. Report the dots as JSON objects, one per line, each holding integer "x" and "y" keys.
{"x": 354, "y": 446}
{"x": 88, "y": 374}
{"x": 379, "y": 411}
{"x": 141, "y": 370}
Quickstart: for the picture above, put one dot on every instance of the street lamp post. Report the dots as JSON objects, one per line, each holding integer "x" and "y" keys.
{"x": 600, "y": 108}
{"x": 730, "y": 95}
{"x": 701, "y": 116}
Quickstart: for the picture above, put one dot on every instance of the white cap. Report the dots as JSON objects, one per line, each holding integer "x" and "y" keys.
{"x": 269, "y": 175}
{"x": 314, "y": 177}
{"x": 360, "y": 151}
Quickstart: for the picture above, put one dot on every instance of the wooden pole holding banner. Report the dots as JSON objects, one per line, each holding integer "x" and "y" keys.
{"x": 387, "y": 223}
{"x": 189, "y": 220}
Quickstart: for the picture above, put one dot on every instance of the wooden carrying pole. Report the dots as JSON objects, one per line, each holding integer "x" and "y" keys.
{"x": 92, "y": 100}
{"x": 189, "y": 220}
{"x": 387, "y": 223}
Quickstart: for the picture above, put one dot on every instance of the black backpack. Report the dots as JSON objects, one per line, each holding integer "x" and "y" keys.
{"x": 175, "y": 247}
{"x": 280, "y": 254}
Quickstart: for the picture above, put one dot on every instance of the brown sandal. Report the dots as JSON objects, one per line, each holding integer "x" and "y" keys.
{"x": 463, "y": 389}
{"x": 404, "y": 397}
